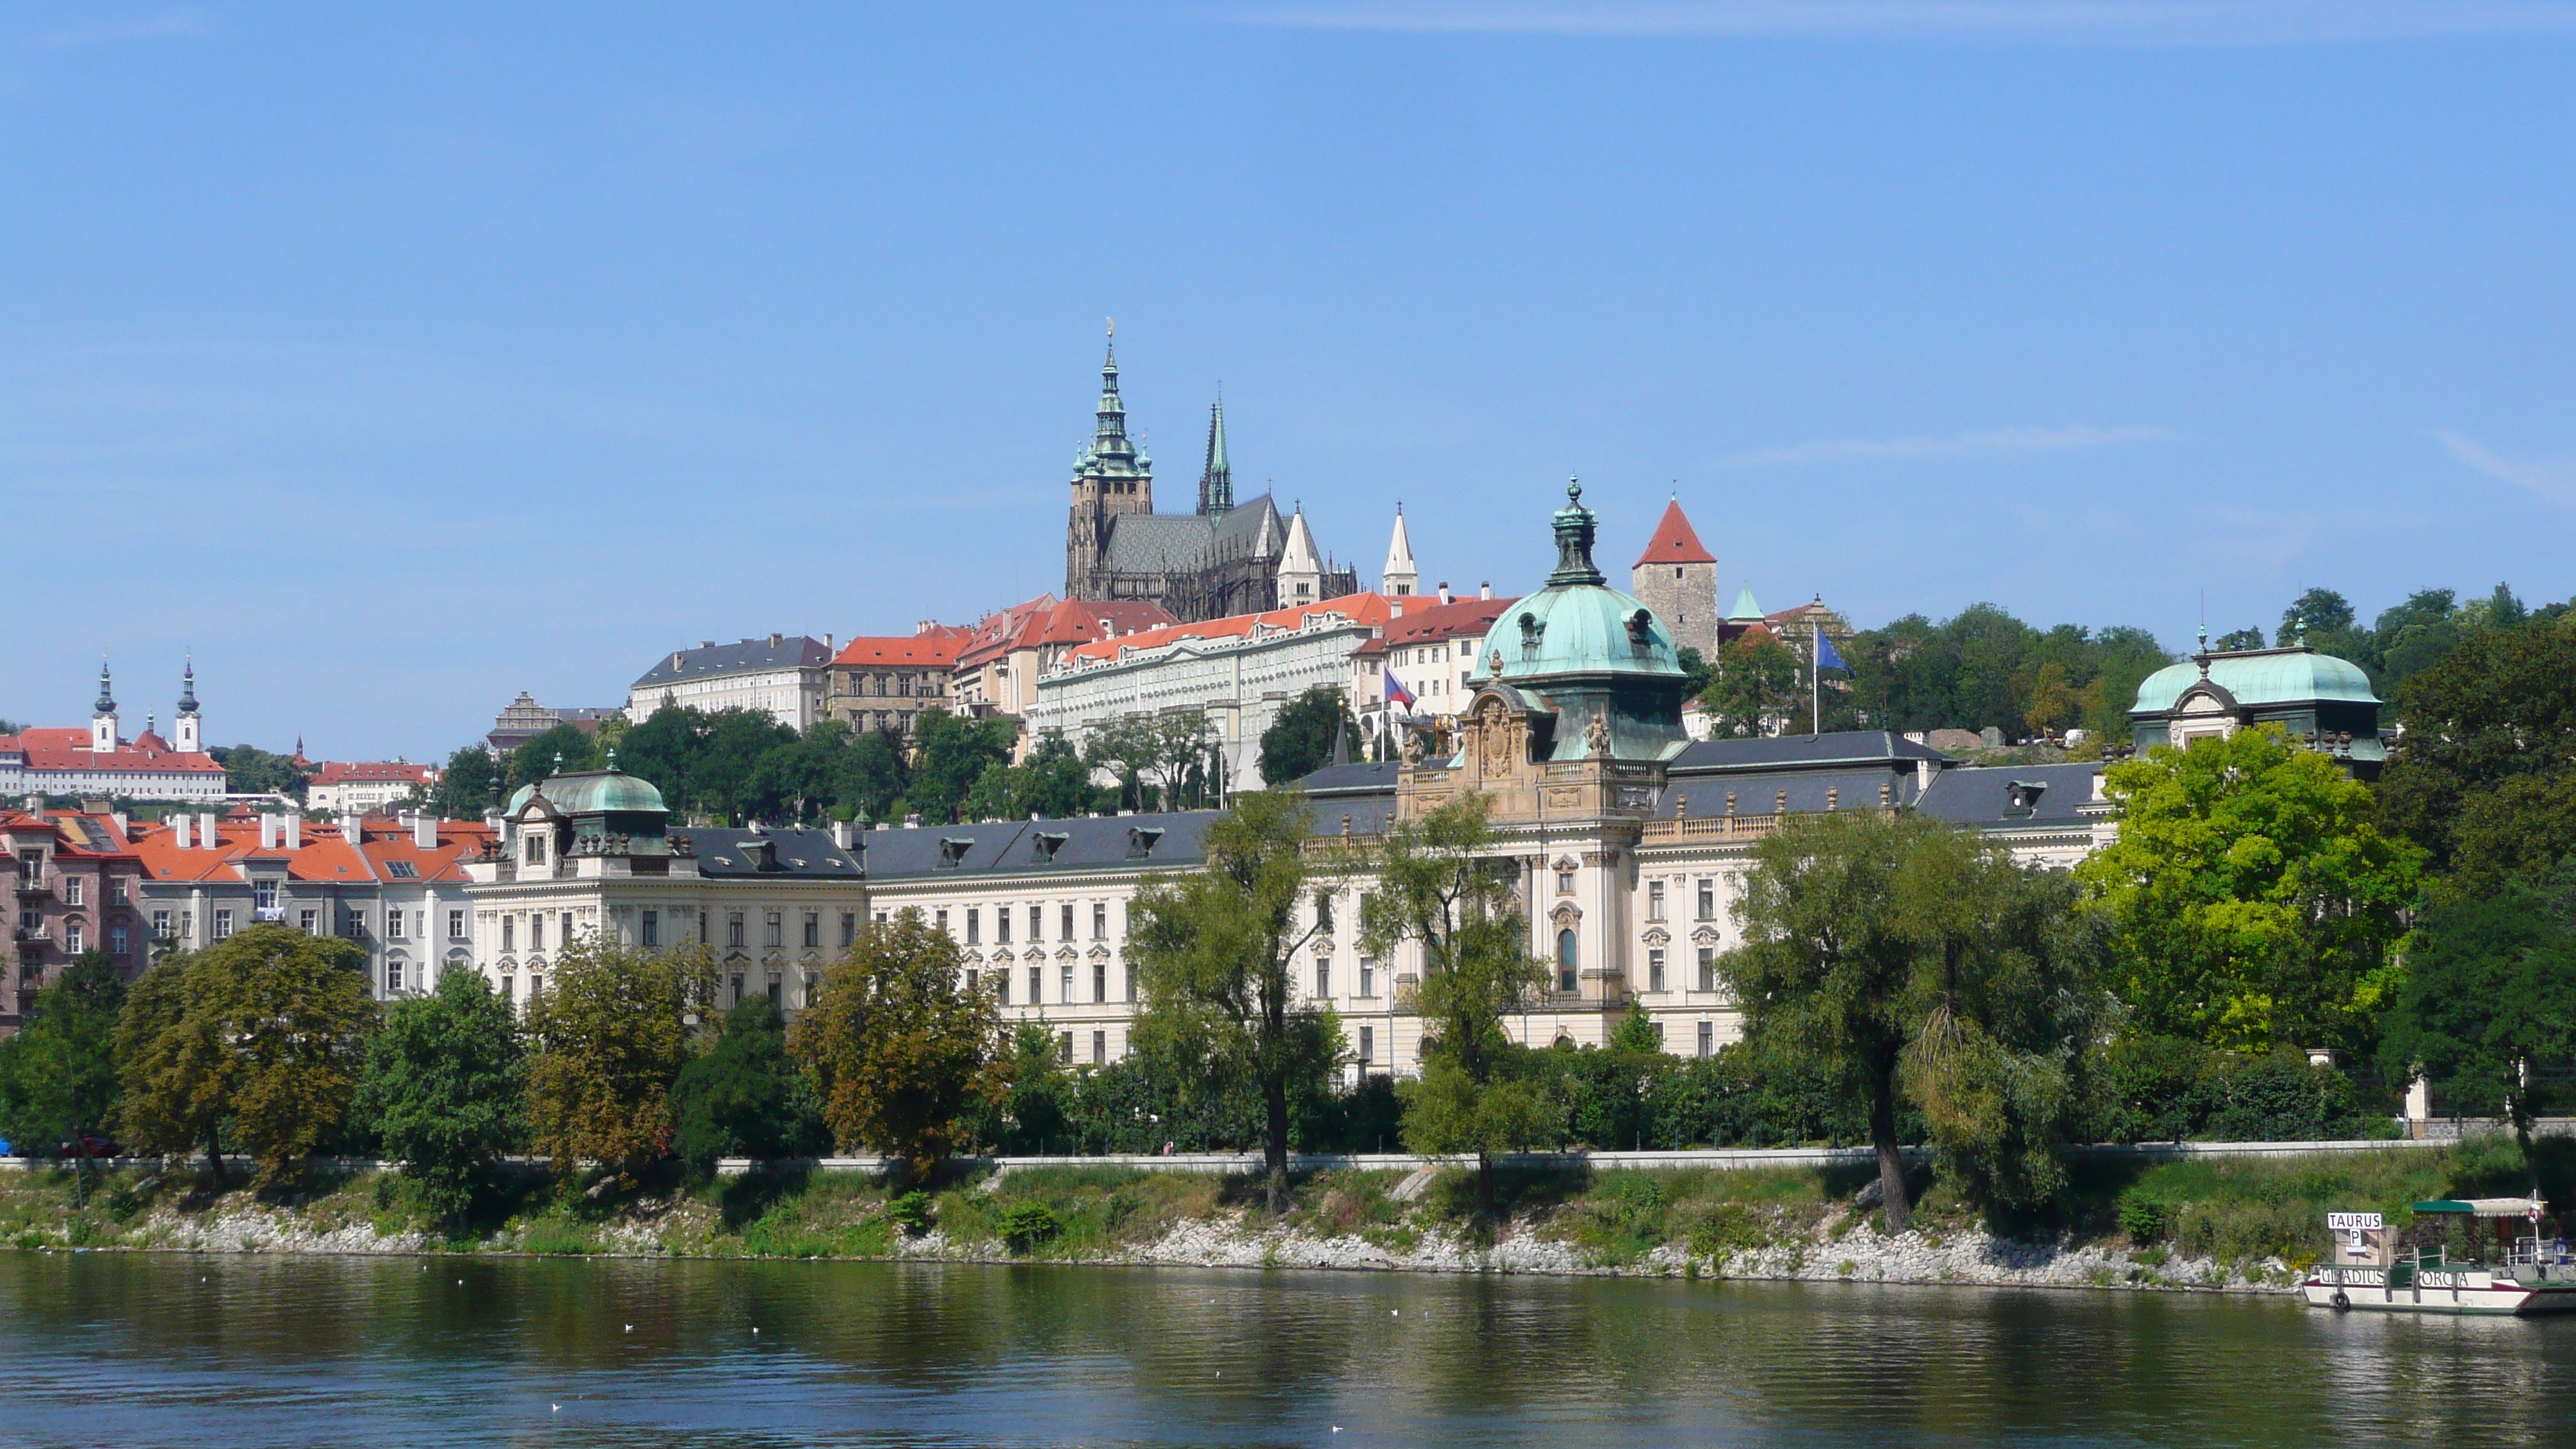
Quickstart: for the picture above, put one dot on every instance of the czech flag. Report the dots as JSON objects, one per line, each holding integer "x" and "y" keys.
{"x": 1396, "y": 692}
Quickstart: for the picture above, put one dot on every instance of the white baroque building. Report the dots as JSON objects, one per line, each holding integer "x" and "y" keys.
{"x": 788, "y": 678}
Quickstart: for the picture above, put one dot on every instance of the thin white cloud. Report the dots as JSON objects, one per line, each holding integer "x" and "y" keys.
{"x": 2151, "y": 22}
{"x": 186, "y": 20}
{"x": 1987, "y": 443}
{"x": 2555, "y": 481}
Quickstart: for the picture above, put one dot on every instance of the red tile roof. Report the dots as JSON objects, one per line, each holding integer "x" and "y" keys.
{"x": 53, "y": 749}
{"x": 325, "y": 855}
{"x": 1460, "y": 619}
{"x": 1047, "y": 620}
{"x": 1373, "y": 610}
{"x": 1674, "y": 542}
{"x": 922, "y": 651}
{"x": 342, "y": 772}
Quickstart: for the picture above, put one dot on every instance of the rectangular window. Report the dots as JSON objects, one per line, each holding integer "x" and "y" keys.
{"x": 116, "y": 890}
{"x": 309, "y": 922}
{"x": 536, "y": 988}
{"x": 1707, "y": 899}
{"x": 813, "y": 929}
{"x": 1100, "y": 981}
{"x": 776, "y": 924}
{"x": 456, "y": 925}
{"x": 941, "y": 921}
{"x": 1654, "y": 900}
{"x": 161, "y": 924}
{"x": 1323, "y": 980}
{"x": 187, "y": 925}
{"x": 563, "y": 938}
{"x": 1708, "y": 1039}
{"x": 974, "y": 926}
{"x": 263, "y": 895}
{"x": 1037, "y": 985}
{"x": 509, "y": 984}
{"x": 536, "y": 931}
{"x": 652, "y": 929}
{"x": 1064, "y": 984}
{"x": 1064, "y": 923}
{"x": 1001, "y": 925}
{"x": 1368, "y": 1046}
{"x": 509, "y": 928}
{"x": 354, "y": 926}
{"x": 536, "y": 851}
{"x": 116, "y": 940}
{"x": 849, "y": 929}
{"x": 31, "y": 920}
{"x": 72, "y": 889}
{"x": 733, "y": 928}
{"x": 1099, "y": 1048}
{"x": 1099, "y": 921}
{"x": 702, "y": 928}
{"x": 393, "y": 978}
{"x": 393, "y": 923}
{"x": 73, "y": 941}
{"x": 736, "y": 984}
{"x": 1659, "y": 1036}
{"x": 1037, "y": 923}
{"x": 1708, "y": 968}
{"x": 1001, "y": 987}
{"x": 224, "y": 925}
{"x": 1565, "y": 882}
{"x": 1655, "y": 970}
{"x": 1368, "y": 977}
{"x": 777, "y": 992}
{"x": 1064, "y": 1048}
{"x": 1324, "y": 912}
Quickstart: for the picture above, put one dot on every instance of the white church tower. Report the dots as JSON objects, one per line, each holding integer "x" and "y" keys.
{"x": 102, "y": 720}
{"x": 1301, "y": 567}
{"x": 1399, "y": 577}
{"x": 187, "y": 733}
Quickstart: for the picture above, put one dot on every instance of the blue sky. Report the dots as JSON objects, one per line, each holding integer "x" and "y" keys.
{"x": 399, "y": 359}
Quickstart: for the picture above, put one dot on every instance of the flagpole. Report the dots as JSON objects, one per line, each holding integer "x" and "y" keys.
{"x": 1816, "y": 674}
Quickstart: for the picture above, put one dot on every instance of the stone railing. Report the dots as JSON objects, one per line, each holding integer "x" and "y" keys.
{"x": 1712, "y": 827}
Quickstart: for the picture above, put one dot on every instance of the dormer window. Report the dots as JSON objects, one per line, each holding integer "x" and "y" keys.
{"x": 1532, "y": 628}
{"x": 1141, "y": 841}
{"x": 1641, "y": 628}
{"x": 1047, "y": 843}
{"x": 952, "y": 849}
{"x": 2023, "y": 795}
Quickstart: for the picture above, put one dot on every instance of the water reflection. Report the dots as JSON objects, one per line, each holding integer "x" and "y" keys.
{"x": 147, "y": 1350}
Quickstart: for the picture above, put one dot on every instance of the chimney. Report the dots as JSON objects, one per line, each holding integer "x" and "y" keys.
{"x": 353, "y": 828}
{"x": 1445, "y": 596}
{"x": 294, "y": 831}
{"x": 1485, "y": 590}
{"x": 267, "y": 831}
{"x": 777, "y": 639}
{"x": 424, "y": 830}
{"x": 178, "y": 831}
{"x": 206, "y": 830}
{"x": 124, "y": 827}
{"x": 841, "y": 834}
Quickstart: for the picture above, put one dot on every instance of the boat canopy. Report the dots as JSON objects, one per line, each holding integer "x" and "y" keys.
{"x": 2483, "y": 1207}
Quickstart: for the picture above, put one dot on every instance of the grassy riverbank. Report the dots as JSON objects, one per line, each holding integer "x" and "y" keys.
{"x": 2232, "y": 1222}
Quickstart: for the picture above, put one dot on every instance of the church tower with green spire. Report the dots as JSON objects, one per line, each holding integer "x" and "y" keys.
{"x": 1216, "y": 480}
{"x": 1111, "y": 476}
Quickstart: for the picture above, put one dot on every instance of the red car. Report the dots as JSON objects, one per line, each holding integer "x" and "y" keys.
{"x": 87, "y": 1145}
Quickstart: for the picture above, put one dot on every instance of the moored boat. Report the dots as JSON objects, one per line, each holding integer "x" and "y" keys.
{"x": 2511, "y": 1272}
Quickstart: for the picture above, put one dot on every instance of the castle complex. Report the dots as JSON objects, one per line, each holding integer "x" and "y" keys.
{"x": 1225, "y": 558}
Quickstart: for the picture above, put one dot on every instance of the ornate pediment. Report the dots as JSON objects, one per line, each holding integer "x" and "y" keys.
{"x": 1704, "y": 936}
{"x": 1565, "y": 862}
{"x": 1566, "y": 914}
{"x": 1102, "y": 953}
{"x": 1657, "y": 936}
{"x": 1067, "y": 953}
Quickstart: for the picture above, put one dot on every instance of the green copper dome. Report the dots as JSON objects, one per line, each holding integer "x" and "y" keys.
{"x": 2262, "y": 677}
{"x": 1578, "y": 624}
{"x": 594, "y": 792}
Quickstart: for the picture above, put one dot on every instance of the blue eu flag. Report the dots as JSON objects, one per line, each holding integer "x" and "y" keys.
{"x": 1826, "y": 658}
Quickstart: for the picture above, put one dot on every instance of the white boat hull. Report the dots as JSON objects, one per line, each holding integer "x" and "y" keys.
{"x": 2437, "y": 1290}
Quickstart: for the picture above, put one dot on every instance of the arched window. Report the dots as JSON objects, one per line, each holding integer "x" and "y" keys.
{"x": 1568, "y": 978}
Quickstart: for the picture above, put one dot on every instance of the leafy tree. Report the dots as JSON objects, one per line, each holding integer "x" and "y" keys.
{"x": 1757, "y": 680}
{"x": 1054, "y": 783}
{"x": 58, "y": 1074}
{"x": 2054, "y": 703}
{"x": 2484, "y": 780}
{"x": 951, "y": 754}
{"x": 1163, "y": 750}
{"x": 726, "y": 776}
{"x": 607, "y": 1040}
{"x": 1215, "y": 953}
{"x": 2323, "y": 620}
{"x": 745, "y": 1097}
{"x": 2240, "y": 639}
{"x": 2489, "y": 996}
{"x": 445, "y": 1086}
{"x": 465, "y": 786}
{"x": 250, "y": 770}
{"x": 263, "y": 1031}
{"x": 901, "y": 1049}
{"x": 1441, "y": 887}
{"x": 564, "y": 747}
{"x": 2252, "y": 897}
{"x": 1890, "y": 952}
{"x": 1300, "y": 741}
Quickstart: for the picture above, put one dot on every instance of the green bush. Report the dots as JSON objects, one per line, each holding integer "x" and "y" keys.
{"x": 2143, "y": 1218}
{"x": 912, "y": 1211}
{"x": 1029, "y": 1226}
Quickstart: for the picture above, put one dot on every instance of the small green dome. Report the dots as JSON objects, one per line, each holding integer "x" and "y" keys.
{"x": 594, "y": 792}
{"x": 1578, "y": 629}
{"x": 2262, "y": 677}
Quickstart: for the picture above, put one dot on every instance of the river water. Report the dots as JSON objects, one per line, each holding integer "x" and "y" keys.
{"x": 134, "y": 1349}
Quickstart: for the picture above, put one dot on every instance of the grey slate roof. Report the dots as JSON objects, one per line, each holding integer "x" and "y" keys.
{"x": 804, "y": 855}
{"x": 1164, "y": 543}
{"x": 1362, "y": 777}
{"x": 794, "y": 652}
{"x": 1980, "y": 795}
{"x": 1016, "y": 847}
{"x": 1794, "y": 752}
{"x": 1852, "y": 789}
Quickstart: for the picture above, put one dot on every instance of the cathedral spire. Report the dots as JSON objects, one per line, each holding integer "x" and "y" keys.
{"x": 1399, "y": 576}
{"x": 188, "y": 686}
{"x": 106, "y": 694}
{"x": 1216, "y": 481}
